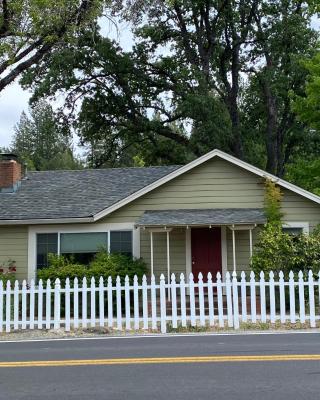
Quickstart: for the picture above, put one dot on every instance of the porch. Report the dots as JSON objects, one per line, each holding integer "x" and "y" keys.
{"x": 193, "y": 241}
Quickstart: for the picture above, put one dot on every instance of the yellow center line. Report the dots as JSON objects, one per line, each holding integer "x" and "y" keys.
{"x": 161, "y": 360}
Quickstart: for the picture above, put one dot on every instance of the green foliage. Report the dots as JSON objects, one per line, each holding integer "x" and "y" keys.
{"x": 8, "y": 272}
{"x": 272, "y": 202}
{"x": 42, "y": 142}
{"x": 104, "y": 264}
{"x": 278, "y": 251}
{"x": 305, "y": 173}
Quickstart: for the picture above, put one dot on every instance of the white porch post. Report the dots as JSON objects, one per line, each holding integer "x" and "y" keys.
{"x": 250, "y": 236}
{"x": 151, "y": 252}
{"x": 234, "y": 250}
{"x": 168, "y": 261}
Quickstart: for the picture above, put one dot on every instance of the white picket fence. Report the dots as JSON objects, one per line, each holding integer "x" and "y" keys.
{"x": 151, "y": 305}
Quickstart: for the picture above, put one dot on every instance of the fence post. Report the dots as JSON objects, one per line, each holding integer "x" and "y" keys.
{"x": 229, "y": 300}
{"x": 174, "y": 301}
{"x": 243, "y": 297}
{"x": 253, "y": 298}
{"x": 93, "y": 303}
{"x": 183, "y": 300}
{"x": 263, "y": 298}
{"x": 84, "y": 302}
{"x": 292, "y": 298}
{"x": 110, "y": 303}
{"x": 302, "y": 310}
{"x": 145, "y": 302}
{"x": 31, "y": 305}
{"x": 272, "y": 298}
{"x": 75, "y": 303}
{"x": 57, "y": 289}
{"x": 235, "y": 300}
{"x": 311, "y": 300}
{"x": 24, "y": 304}
{"x": 282, "y": 298}
{"x": 8, "y": 306}
{"x": 48, "y": 304}
{"x": 101, "y": 302}
{"x": 119, "y": 309}
{"x": 210, "y": 300}
{"x": 40, "y": 304}
{"x": 136, "y": 302}
{"x": 163, "y": 305}
{"x": 127, "y": 302}
{"x": 1, "y": 306}
{"x": 153, "y": 303}
{"x": 201, "y": 300}
{"x": 67, "y": 305}
{"x": 220, "y": 301}
{"x": 192, "y": 301}
{"x": 15, "y": 306}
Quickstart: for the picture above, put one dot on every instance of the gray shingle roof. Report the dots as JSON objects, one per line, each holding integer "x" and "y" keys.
{"x": 75, "y": 194}
{"x": 215, "y": 216}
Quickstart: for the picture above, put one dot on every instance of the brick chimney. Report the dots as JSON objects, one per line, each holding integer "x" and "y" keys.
{"x": 10, "y": 173}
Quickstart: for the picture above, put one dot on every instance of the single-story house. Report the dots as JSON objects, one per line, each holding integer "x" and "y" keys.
{"x": 202, "y": 216}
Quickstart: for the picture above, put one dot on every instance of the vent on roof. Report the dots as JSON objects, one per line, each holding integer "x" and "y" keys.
{"x": 10, "y": 173}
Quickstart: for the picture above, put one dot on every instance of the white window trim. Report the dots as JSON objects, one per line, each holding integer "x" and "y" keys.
{"x": 34, "y": 230}
{"x": 304, "y": 225}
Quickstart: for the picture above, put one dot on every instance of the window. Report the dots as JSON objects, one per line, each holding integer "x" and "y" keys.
{"x": 121, "y": 242}
{"x": 292, "y": 230}
{"x": 82, "y": 246}
{"x": 46, "y": 243}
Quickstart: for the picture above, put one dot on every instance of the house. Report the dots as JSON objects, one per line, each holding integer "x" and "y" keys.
{"x": 203, "y": 216}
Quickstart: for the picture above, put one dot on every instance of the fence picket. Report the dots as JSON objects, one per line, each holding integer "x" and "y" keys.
{"x": 136, "y": 302}
{"x": 93, "y": 303}
{"x": 272, "y": 298}
{"x": 220, "y": 301}
{"x": 263, "y": 298}
{"x": 145, "y": 302}
{"x": 24, "y": 305}
{"x": 302, "y": 311}
{"x": 101, "y": 302}
{"x": 192, "y": 301}
{"x": 16, "y": 306}
{"x": 282, "y": 298}
{"x": 127, "y": 302}
{"x": 1, "y": 306}
{"x": 163, "y": 306}
{"x": 253, "y": 298}
{"x": 311, "y": 300}
{"x": 31, "y": 307}
{"x": 48, "y": 304}
{"x": 229, "y": 300}
{"x": 119, "y": 310}
{"x": 84, "y": 292}
{"x": 75, "y": 303}
{"x": 292, "y": 298}
{"x": 201, "y": 300}
{"x": 110, "y": 303}
{"x": 174, "y": 301}
{"x": 243, "y": 297}
{"x": 210, "y": 300}
{"x": 67, "y": 305}
{"x": 153, "y": 303}
{"x": 235, "y": 300}
{"x": 8, "y": 306}
{"x": 40, "y": 304}
{"x": 183, "y": 300}
{"x": 57, "y": 305}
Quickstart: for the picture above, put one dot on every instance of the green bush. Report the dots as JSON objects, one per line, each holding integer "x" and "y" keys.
{"x": 278, "y": 251}
{"x": 103, "y": 264}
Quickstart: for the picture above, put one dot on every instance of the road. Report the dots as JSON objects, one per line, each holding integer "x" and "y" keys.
{"x": 224, "y": 367}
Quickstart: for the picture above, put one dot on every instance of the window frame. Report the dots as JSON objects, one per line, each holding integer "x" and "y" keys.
{"x": 300, "y": 225}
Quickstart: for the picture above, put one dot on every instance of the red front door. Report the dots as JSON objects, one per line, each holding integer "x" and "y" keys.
{"x": 206, "y": 252}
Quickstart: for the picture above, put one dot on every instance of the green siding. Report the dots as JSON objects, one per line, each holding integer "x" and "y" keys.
{"x": 14, "y": 246}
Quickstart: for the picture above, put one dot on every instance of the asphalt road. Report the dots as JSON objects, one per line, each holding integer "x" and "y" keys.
{"x": 186, "y": 367}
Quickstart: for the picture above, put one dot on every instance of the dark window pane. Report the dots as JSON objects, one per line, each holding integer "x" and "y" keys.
{"x": 292, "y": 231}
{"x": 121, "y": 242}
{"x": 46, "y": 243}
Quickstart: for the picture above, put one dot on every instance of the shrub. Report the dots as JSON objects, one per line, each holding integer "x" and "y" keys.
{"x": 8, "y": 272}
{"x": 103, "y": 264}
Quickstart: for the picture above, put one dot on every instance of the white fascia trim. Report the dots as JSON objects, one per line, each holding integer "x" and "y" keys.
{"x": 199, "y": 161}
{"x": 304, "y": 225}
{"x": 46, "y": 221}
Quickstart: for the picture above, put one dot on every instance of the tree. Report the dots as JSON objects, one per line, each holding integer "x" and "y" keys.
{"x": 42, "y": 142}
{"x": 30, "y": 30}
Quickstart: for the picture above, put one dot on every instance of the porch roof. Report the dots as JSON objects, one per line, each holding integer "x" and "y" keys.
{"x": 212, "y": 216}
